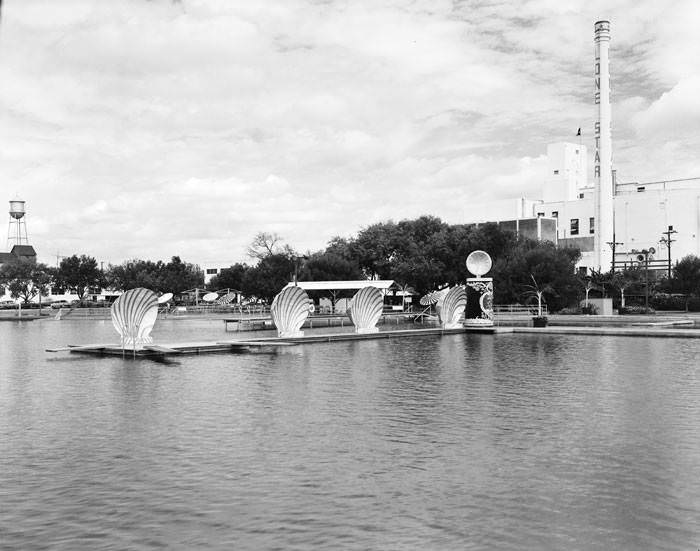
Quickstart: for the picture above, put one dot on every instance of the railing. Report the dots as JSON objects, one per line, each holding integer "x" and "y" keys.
{"x": 203, "y": 309}
{"x": 519, "y": 309}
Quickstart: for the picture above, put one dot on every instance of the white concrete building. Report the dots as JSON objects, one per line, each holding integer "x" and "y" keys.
{"x": 642, "y": 212}
{"x": 611, "y": 223}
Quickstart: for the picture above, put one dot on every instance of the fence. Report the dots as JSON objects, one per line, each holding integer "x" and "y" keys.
{"x": 506, "y": 310}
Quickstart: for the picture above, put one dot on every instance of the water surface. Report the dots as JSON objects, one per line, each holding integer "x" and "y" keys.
{"x": 459, "y": 442}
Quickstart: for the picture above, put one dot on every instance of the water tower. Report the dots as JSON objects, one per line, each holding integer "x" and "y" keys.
{"x": 17, "y": 230}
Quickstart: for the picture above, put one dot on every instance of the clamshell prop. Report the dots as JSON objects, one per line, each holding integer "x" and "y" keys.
{"x": 133, "y": 315}
{"x": 365, "y": 309}
{"x": 479, "y": 291}
{"x": 289, "y": 311}
{"x": 433, "y": 297}
{"x": 451, "y": 308}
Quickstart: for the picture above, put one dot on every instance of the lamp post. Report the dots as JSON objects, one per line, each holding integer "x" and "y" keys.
{"x": 296, "y": 266}
{"x": 666, "y": 240}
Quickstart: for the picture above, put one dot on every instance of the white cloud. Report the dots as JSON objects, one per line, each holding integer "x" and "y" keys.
{"x": 675, "y": 113}
{"x": 149, "y": 129}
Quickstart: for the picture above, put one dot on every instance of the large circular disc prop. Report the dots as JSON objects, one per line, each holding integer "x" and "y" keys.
{"x": 478, "y": 263}
{"x": 210, "y": 297}
{"x": 162, "y": 299}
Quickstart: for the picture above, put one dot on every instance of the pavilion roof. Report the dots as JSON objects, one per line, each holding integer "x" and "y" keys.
{"x": 382, "y": 284}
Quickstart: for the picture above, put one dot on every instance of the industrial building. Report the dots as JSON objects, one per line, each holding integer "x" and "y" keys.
{"x": 613, "y": 224}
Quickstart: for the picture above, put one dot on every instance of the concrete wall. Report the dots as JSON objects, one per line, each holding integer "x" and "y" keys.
{"x": 540, "y": 228}
{"x": 604, "y": 305}
{"x": 566, "y": 172}
{"x": 566, "y": 211}
{"x": 640, "y": 219}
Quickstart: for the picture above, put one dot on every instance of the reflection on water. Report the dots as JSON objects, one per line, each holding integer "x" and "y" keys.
{"x": 465, "y": 441}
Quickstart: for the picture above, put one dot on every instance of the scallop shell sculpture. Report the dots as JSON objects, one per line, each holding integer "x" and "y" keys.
{"x": 479, "y": 263}
{"x": 133, "y": 315}
{"x": 452, "y": 308}
{"x": 365, "y": 309}
{"x": 289, "y": 311}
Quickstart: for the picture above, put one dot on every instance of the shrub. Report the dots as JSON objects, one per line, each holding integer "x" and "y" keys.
{"x": 636, "y": 310}
{"x": 570, "y": 311}
{"x": 590, "y": 310}
{"x": 665, "y": 301}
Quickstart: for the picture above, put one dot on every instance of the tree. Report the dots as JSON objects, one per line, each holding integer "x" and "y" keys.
{"x": 410, "y": 252}
{"x": 178, "y": 276}
{"x": 25, "y": 279}
{"x": 625, "y": 279}
{"x": 376, "y": 249}
{"x": 268, "y": 277}
{"x": 686, "y": 275}
{"x": 231, "y": 278}
{"x": 132, "y": 274}
{"x": 593, "y": 282}
{"x": 552, "y": 267}
{"x": 78, "y": 274}
{"x": 174, "y": 277}
{"x": 265, "y": 244}
{"x": 537, "y": 292}
{"x": 329, "y": 266}
{"x": 342, "y": 247}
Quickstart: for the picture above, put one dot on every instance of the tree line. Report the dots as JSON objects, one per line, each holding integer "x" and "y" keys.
{"x": 81, "y": 275}
{"x": 420, "y": 255}
{"x": 426, "y": 253}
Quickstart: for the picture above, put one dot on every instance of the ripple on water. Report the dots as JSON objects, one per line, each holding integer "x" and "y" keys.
{"x": 465, "y": 441}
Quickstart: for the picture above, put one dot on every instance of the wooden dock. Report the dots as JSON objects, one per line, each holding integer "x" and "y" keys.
{"x": 275, "y": 344}
{"x": 264, "y": 345}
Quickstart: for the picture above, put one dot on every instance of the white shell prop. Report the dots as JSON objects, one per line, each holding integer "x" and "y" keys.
{"x": 433, "y": 297}
{"x": 228, "y": 298}
{"x": 452, "y": 307}
{"x": 133, "y": 315}
{"x": 479, "y": 263}
{"x": 365, "y": 309}
{"x": 289, "y": 311}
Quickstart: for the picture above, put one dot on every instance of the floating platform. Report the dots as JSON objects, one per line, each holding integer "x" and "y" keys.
{"x": 274, "y": 344}
{"x": 265, "y": 345}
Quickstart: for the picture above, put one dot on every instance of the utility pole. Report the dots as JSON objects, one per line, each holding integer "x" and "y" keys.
{"x": 666, "y": 240}
{"x": 613, "y": 244}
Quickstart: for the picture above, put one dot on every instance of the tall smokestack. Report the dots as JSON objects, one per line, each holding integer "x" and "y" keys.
{"x": 602, "y": 167}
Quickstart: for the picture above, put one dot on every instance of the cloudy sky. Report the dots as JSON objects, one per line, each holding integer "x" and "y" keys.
{"x": 146, "y": 129}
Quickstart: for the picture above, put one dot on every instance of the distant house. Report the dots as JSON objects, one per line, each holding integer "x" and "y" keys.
{"x": 19, "y": 251}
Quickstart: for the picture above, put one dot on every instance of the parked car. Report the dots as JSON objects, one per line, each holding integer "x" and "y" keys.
{"x": 62, "y": 304}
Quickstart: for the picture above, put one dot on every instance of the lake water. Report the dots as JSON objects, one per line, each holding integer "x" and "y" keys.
{"x": 459, "y": 442}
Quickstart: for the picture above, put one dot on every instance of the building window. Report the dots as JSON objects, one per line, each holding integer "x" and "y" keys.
{"x": 539, "y": 214}
{"x": 555, "y": 214}
{"x": 211, "y": 271}
{"x": 556, "y": 172}
{"x": 591, "y": 225}
{"x": 574, "y": 226}
{"x": 640, "y": 188}
{"x": 580, "y": 195}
